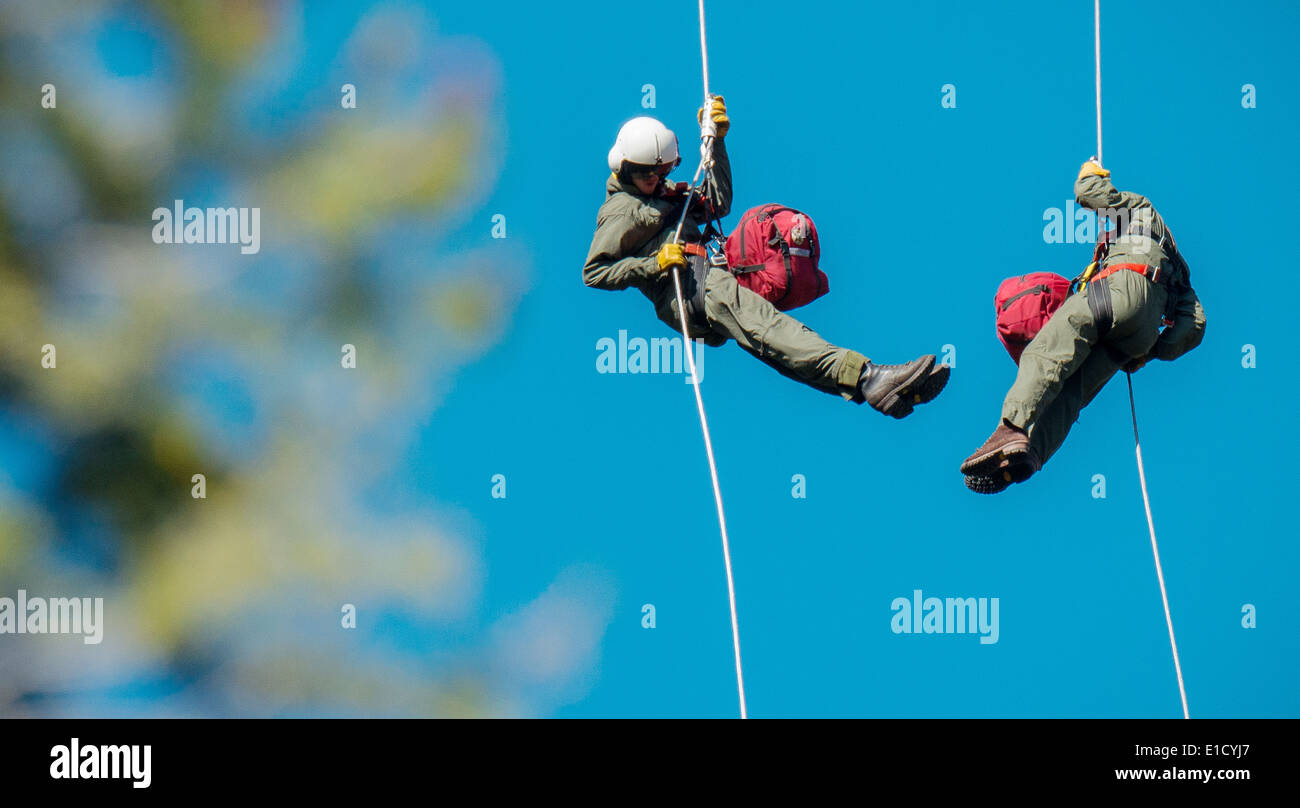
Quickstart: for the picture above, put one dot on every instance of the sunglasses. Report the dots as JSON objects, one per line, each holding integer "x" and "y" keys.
{"x": 646, "y": 172}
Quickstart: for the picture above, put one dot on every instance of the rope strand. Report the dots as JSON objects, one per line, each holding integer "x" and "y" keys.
{"x": 704, "y": 52}
{"x": 706, "y": 151}
{"x": 1155, "y": 550}
{"x": 1137, "y": 444}
{"x": 1096, "y": 31}
{"x": 717, "y": 493}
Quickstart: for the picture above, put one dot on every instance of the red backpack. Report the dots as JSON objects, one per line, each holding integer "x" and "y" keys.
{"x": 774, "y": 252}
{"x": 1024, "y": 305}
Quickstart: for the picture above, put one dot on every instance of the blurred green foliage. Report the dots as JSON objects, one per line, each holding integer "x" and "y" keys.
{"x": 182, "y": 360}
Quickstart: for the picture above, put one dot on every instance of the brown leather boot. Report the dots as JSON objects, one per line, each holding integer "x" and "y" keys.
{"x": 891, "y": 389}
{"x": 1008, "y": 443}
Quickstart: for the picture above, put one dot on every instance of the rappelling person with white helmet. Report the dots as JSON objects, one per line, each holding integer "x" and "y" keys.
{"x": 737, "y": 287}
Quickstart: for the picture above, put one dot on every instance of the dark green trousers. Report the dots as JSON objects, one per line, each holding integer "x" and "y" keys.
{"x": 1069, "y": 362}
{"x": 733, "y": 312}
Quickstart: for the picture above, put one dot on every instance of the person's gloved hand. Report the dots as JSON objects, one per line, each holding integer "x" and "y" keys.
{"x": 1135, "y": 364}
{"x": 670, "y": 255}
{"x": 718, "y": 112}
{"x": 1091, "y": 166}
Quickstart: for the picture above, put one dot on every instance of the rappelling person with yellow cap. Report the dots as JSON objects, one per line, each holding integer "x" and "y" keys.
{"x": 1135, "y": 302}
{"x": 736, "y": 290}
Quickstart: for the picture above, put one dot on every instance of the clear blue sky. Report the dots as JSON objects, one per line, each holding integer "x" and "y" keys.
{"x": 922, "y": 210}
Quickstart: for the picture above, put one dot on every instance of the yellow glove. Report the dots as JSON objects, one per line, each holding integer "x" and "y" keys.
{"x": 1093, "y": 167}
{"x": 717, "y": 111}
{"x": 670, "y": 255}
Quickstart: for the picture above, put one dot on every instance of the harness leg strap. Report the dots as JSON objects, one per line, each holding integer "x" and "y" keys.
{"x": 694, "y": 292}
{"x": 1103, "y": 313}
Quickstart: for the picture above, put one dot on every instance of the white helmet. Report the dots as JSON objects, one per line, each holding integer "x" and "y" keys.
{"x": 644, "y": 141}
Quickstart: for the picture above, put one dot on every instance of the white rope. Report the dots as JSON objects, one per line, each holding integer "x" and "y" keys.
{"x": 1096, "y": 31}
{"x": 1137, "y": 444}
{"x": 704, "y": 54}
{"x": 1155, "y": 550}
{"x": 717, "y": 494}
{"x": 708, "y": 131}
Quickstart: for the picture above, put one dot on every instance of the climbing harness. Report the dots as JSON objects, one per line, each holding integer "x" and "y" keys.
{"x": 1091, "y": 275}
{"x": 697, "y": 256}
{"x": 708, "y": 131}
{"x": 1104, "y": 239}
{"x": 1086, "y": 281}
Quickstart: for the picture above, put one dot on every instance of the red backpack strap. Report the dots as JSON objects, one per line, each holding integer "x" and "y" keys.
{"x": 779, "y": 241}
{"x": 740, "y": 226}
{"x": 1037, "y": 289}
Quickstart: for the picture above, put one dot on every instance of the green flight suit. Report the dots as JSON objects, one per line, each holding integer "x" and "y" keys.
{"x": 1069, "y": 361}
{"x": 630, "y": 228}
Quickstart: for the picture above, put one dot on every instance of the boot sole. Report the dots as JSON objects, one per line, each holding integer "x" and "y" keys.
{"x": 1008, "y": 473}
{"x": 1012, "y": 452}
{"x": 1019, "y": 468}
{"x": 898, "y": 404}
{"x": 933, "y": 385}
{"x": 987, "y": 484}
